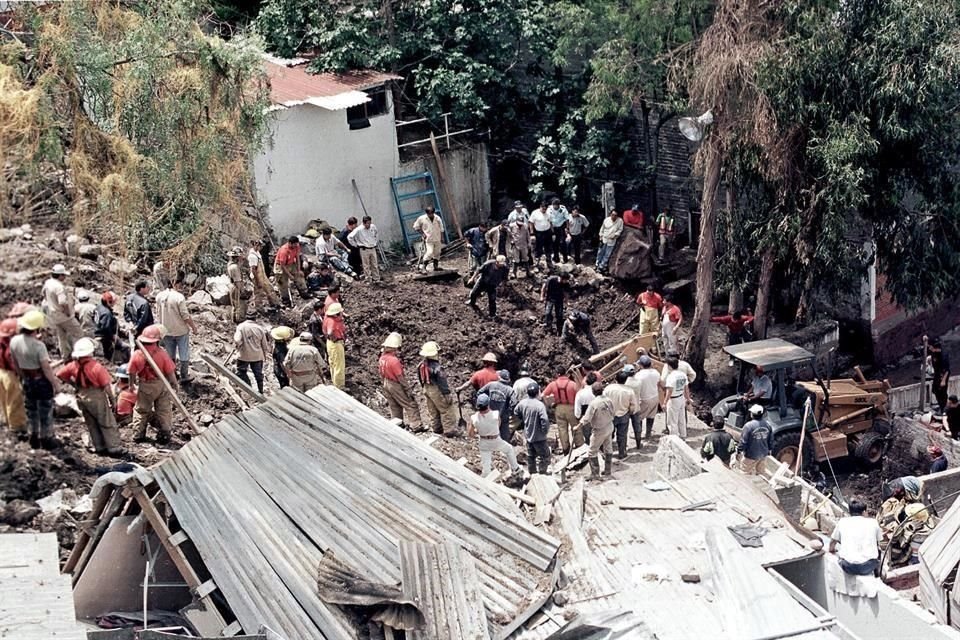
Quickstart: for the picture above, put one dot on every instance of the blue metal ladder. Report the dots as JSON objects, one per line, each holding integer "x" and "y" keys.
{"x": 414, "y": 205}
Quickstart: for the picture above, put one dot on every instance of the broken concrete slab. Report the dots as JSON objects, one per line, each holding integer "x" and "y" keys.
{"x": 219, "y": 289}
{"x": 123, "y": 268}
{"x": 201, "y": 298}
{"x": 65, "y": 406}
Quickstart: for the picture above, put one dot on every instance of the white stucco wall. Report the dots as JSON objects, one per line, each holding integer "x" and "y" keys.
{"x": 308, "y": 161}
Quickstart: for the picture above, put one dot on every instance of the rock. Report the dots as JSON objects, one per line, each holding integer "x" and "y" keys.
{"x": 208, "y": 317}
{"x": 199, "y": 366}
{"x": 88, "y": 270}
{"x": 690, "y": 576}
{"x": 190, "y": 279}
{"x": 201, "y": 298}
{"x": 219, "y": 289}
{"x": 19, "y": 512}
{"x": 90, "y": 251}
{"x": 65, "y": 406}
{"x": 560, "y": 598}
{"x": 123, "y": 268}
{"x": 6, "y": 235}
{"x": 206, "y": 419}
{"x": 54, "y": 243}
{"x": 73, "y": 245}
{"x": 59, "y": 500}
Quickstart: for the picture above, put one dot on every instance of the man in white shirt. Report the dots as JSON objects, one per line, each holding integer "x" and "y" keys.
{"x": 610, "y": 230}
{"x": 328, "y": 249}
{"x": 859, "y": 538}
{"x": 486, "y": 425}
{"x": 172, "y": 313}
{"x": 58, "y": 305}
{"x": 366, "y": 238}
{"x": 646, "y": 384}
{"x": 430, "y": 226}
{"x": 542, "y": 233}
{"x": 676, "y": 393}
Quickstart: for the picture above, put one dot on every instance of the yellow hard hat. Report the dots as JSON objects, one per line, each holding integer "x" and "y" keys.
{"x": 281, "y": 333}
{"x": 334, "y": 309}
{"x": 33, "y": 320}
{"x": 393, "y": 341}
{"x": 312, "y": 233}
{"x": 83, "y": 347}
{"x": 430, "y": 349}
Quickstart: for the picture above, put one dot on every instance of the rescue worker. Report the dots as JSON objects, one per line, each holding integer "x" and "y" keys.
{"x": 485, "y": 424}
{"x": 431, "y": 228}
{"x": 263, "y": 293}
{"x": 94, "y": 397}
{"x": 315, "y": 324}
{"x": 940, "y": 361}
{"x": 395, "y": 388}
{"x": 756, "y": 442}
{"x": 239, "y": 291}
{"x": 253, "y": 349}
{"x": 32, "y": 361}
{"x": 672, "y": 318}
{"x": 576, "y": 226}
{"x": 536, "y": 425}
{"x": 173, "y": 314}
{"x": 59, "y": 307}
{"x": 938, "y": 461}
{"x": 154, "y": 402}
{"x": 335, "y": 332}
{"x": 106, "y": 326}
{"x": 84, "y": 311}
{"x": 281, "y": 342}
{"x": 761, "y": 388}
{"x": 562, "y": 391}
{"x": 320, "y": 279}
{"x": 519, "y": 212}
{"x": 487, "y": 279}
{"x": 477, "y": 239}
{"x": 303, "y": 364}
{"x": 651, "y": 303}
{"x": 501, "y": 400}
{"x": 634, "y": 217}
{"x": 598, "y": 419}
{"x": 624, "y": 406}
{"x": 333, "y": 295}
{"x": 366, "y": 238}
{"x": 11, "y": 390}
{"x": 718, "y": 443}
{"x": 578, "y": 323}
{"x": 610, "y": 232}
{"x": 646, "y": 385}
{"x": 126, "y": 397}
{"x": 552, "y": 295}
{"x": 136, "y": 308}
{"x": 519, "y": 252}
{"x": 736, "y": 324}
{"x": 676, "y": 394}
{"x": 666, "y": 229}
{"x": 436, "y": 390}
{"x": 582, "y": 400}
{"x": 286, "y": 267}
{"x": 488, "y": 373}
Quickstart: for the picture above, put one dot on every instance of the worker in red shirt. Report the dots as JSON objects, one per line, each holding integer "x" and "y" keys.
{"x": 672, "y": 317}
{"x": 126, "y": 397}
{"x": 483, "y": 376}
{"x": 11, "y": 391}
{"x": 563, "y": 391}
{"x": 94, "y": 396}
{"x": 651, "y": 305}
{"x": 335, "y": 331}
{"x": 395, "y": 387}
{"x": 153, "y": 399}
{"x": 736, "y": 324}
{"x": 633, "y": 217}
{"x": 287, "y": 267}
{"x": 333, "y": 295}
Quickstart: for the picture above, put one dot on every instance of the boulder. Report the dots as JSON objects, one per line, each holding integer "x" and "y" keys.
{"x": 207, "y": 317}
{"x": 90, "y": 251}
{"x": 123, "y": 268}
{"x": 219, "y": 289}
{"x": 54, "y": 243}
{"x": 201, "y": 298}
{"x": 206, "y": 419}
{"x": 6, "y": 235}
{"x": 560, "y": 598}
{"x": 19, "y": 512}
{"x": 190, "y": 279}
{"x": 65, "y": 406}
{"x": 73, "y": 245}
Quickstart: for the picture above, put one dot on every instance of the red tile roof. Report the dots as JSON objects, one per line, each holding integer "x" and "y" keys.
{"x": 293, "y": 85}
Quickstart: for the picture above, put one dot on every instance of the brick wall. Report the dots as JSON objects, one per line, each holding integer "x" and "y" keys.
{"x": 896, "y": 332}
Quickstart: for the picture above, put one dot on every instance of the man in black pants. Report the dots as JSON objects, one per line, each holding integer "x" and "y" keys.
{"x": 488, "y": 277}
{"x": 552, "y": 295}
{"x": 353, "y": 258}
{"x": 941, "y": 373}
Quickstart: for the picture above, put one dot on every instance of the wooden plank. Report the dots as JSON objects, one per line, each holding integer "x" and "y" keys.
{"x": 113, "y": 507}
{"x": 85, "y": 533}
{"x": 544, "y": 490}
{"x": 444, "y": 186}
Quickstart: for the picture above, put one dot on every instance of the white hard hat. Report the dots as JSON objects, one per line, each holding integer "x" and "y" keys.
{"x": 83, "y": 347}
{"x": 430, "y": 349}
{"x": 756, "y": 411}
{"x": 393, "y": 341}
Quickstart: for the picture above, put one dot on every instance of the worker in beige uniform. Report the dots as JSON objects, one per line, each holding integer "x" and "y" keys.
{"x": 94, "y": 397}
{"x": 59, "y": 309}
{"x": 441, "y": 407}
{"x": 599, "y": 418}
{"x": 254, "y": 347}
{"x": 85, "y": 311}
{"x": 240, "y": 291}
{"x": 430, "y": 227}
{"x": 303, "y": 363}
{"x": 395, "y": 387}
{"x": 154, "y": 402}
{"x": 263, "y": 293}
{"x": 645, "y": 382}
{"x": 625, "y": 405}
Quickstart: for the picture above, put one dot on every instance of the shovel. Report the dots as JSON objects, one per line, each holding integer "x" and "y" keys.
{"x": 461, "y": 423}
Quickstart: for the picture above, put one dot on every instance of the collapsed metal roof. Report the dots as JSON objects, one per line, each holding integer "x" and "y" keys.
{"x": 265, "y": 494}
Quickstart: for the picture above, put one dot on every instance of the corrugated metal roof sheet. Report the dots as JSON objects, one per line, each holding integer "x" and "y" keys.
{"x": 36, "y": 601}
{"x": 264, "y": 494}
{"x": 292, "y": 85}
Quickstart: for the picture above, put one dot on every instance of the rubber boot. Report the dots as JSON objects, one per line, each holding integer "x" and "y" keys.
{"x": 648, "y": 427}
{"x": 636, "y": 436}
{"x": 607, "y": 464}
{"x": 531, "y": 466}
{"x": 594, "y": 468}
{"x": 622, "y": 448}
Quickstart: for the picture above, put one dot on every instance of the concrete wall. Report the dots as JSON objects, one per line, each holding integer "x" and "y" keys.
{"x": 305, "y": 170}
{"x": 468, "y": 175}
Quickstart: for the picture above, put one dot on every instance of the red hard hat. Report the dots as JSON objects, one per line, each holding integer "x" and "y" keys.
{"x": 108, "y": 297}
{"x": 151, "y": 334}
{"x": 8, "y": 327}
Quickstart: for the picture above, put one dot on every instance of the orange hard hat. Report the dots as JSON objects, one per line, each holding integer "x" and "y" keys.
{"x": 108, "y": 297}
{"x": 19, "y": 309}
{"x": 151, "y": 334}
{"x": 8, "y": 327}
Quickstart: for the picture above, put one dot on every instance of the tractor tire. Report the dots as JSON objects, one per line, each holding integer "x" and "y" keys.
{"x": 882, "y": 426}
{"x": 870, "y": 448}
{"x": 786, "y": 446}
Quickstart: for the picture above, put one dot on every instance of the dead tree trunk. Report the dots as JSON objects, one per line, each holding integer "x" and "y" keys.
{"x": 735, "y": 297}
{"x": 706, "y": 255}
{"x": 762, "y": 312}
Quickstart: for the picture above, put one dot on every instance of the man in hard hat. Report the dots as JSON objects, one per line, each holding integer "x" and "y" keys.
{"x": 136, "y": 308}
{"x": 240, "y": 289}
{"x": 756, "y": 442}
{"x": 84, "y": 311}
{"x": 482, "y": 376}
{"x": 578, "y": 323}
{"x": 624, "y": 405}
{"x": 502, "y": 401}
{"x": 675, "y": 396}
{"x": 19, "y": 308}
{"x": 126, "y": 397}
{"x": 303, "y": 363}
{"x": 519, "y": 393}
{"x": 335, "y": 332}
{"x": 562, "y": 391}
{"x": 395, "y": 388}
{"x": 366, "y": 238}
{"x": 36, "y": 377}
{"x": 598, "y": 419}
{"x": 286, "y": 267}
{"x": 253, "y": 349}
{"x": 59, "y": 307}
{"x": 520, "y": 251}
{"x": 263, "y": 293}
{"x": 646, "y": 385}
{"x": 106, "y": 327}
{"x": 173, "y": 314}
{"x": 153, "y": 399}
{"x": 281, "y": 344}
{"x": 430, "y": 227}
{"x": 536, "y": 425}
{"x": 436, "y": 390}
{"x": 94, "y": 397}
{"x": 487, "y": 279}
{"x": 485, "y": 424}
{"x": 11, "y": 391}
